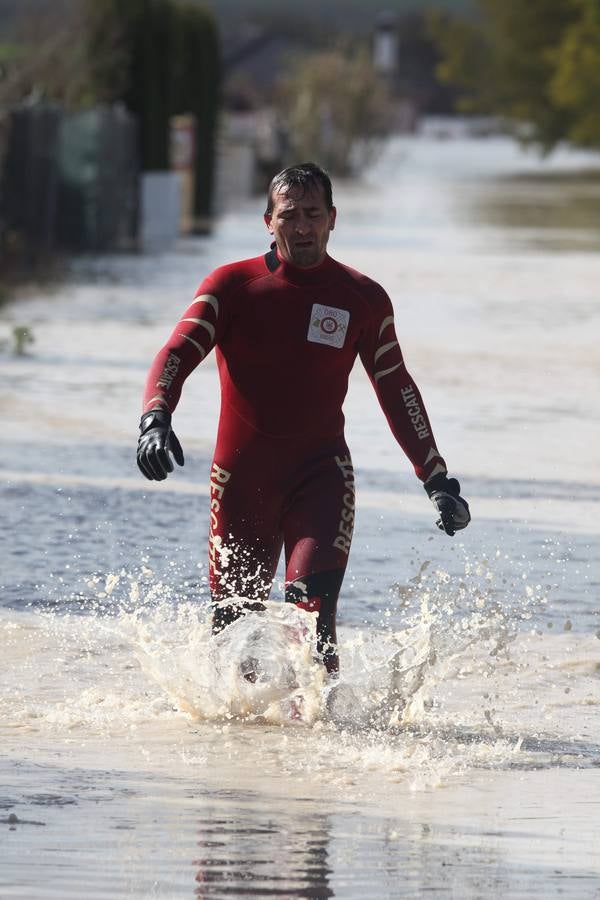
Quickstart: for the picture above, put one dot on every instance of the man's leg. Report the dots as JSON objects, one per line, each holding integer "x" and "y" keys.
{"x": 318, "y": 529}
{"x": 244, "y": 545}
{"x": 319, "y": 593}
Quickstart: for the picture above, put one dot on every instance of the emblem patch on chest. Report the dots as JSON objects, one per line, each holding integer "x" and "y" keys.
{"x": 328, "y": 325}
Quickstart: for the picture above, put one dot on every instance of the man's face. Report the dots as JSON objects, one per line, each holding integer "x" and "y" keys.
{"x": 300, "y": 223}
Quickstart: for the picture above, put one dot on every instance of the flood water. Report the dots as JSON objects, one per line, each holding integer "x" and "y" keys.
{"x": 459, "y": 756}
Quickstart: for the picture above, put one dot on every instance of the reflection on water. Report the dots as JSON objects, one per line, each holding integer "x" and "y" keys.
{"x": 173, "y": 837}
{"x": 542, "y": 211}
{"x": 251, "y": 852}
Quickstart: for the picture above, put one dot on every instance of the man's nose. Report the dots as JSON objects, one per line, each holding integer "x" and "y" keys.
{"x": 302, "y": 226}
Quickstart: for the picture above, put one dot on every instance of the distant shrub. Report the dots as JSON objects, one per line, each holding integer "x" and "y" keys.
{"x": 335, "y": 109}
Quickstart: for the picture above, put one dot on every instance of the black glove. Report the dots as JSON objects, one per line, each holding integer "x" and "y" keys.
{"x": 156, "y": 443}
{"x": 444, "y": 493}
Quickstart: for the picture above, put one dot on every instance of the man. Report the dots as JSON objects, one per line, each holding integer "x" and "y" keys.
{"x": 287, "y": 327}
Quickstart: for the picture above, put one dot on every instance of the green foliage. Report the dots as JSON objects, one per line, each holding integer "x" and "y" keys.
{"x": 110, "y": 31}
{"x": 575, "y": 85}
{"x": 22, "y": 338}
{"x": 194, "y": 88}
{"x": 46, "y": 58}
{"x": 10, "y": 52}
{"x": 4, "y": 293}
{"x": 131, "y": 46}
{"x": 466, "y": 50}
{"x": 532, "y": 62}
{"x": 330, "y": 101}
{"x": 161, "y": 58}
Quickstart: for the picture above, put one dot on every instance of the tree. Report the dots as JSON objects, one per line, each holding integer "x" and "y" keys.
{"x": 332, "y": 105}
{"x": 194, "y": 88}
{"x": 575, "y": 85}
{"x": 160, "y": 58}
{"x": 467, "y": 61}
{"x": 46, "y": 58}
{"x": 131, "y": 45}
{"x": 531, "y": 62}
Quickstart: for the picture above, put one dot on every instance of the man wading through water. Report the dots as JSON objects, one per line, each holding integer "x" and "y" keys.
{"x": 287, "y": 327}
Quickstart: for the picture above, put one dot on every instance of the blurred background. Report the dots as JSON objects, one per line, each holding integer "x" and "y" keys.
{"x": 125, "y": 125}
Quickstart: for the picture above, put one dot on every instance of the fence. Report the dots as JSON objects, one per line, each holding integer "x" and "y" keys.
{"x": 69, "y": 183}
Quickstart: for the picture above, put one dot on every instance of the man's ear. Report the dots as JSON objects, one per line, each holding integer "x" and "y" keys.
{"x": 332, "y": 215}
{"x": 268, "y": 217}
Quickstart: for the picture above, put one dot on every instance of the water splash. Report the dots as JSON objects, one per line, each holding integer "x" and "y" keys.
{"x": 466, "y": 682}
{"x": 262, "y": 667}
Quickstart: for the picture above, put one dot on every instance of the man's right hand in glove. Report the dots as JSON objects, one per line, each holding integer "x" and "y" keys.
{"x": 453, "y": 511}
{"x": 157, "y": 442}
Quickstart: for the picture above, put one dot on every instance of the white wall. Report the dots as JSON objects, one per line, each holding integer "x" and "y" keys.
{"x": 160, "y": 211}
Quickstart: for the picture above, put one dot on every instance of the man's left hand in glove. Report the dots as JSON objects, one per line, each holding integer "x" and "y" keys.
{"x": 453, "y": 511}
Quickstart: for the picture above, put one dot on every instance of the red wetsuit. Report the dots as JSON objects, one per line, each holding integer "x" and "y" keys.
{"x": 286, "y": 339}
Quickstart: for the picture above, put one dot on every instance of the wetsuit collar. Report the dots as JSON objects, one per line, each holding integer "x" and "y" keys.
{"x": 295, "y": 274}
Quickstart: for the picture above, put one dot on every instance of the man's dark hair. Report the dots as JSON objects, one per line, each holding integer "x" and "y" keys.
{"x": 305, "y": 176}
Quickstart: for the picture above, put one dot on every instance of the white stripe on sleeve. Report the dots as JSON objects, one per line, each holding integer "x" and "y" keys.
{"x": 195, "y": 343}
{"x": 384, "y": 349}
{"x": 210, "y": 328}
{"x": 380, "y": 375}
{"x": 208, "y": 298}
{"x": 389, "y": 320}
